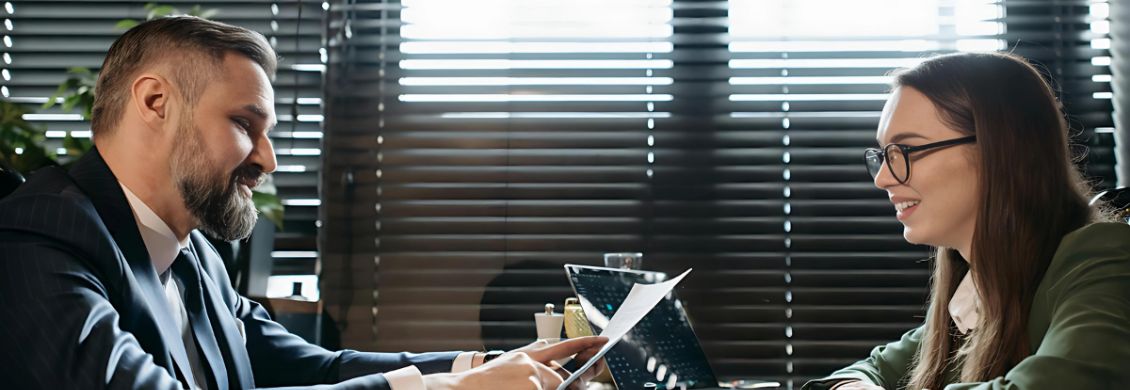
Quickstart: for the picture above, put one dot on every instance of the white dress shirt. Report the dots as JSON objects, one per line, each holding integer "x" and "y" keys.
{"x": 163, "y": 247}
{"x": 965, "y": 305}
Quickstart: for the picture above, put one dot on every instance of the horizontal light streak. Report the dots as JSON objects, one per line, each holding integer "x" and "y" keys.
{"x": 290, "y": 168}
{"x": 822, "y": 114}
{"x": 507, "y": 98}
{"x": 554, "y": 115}
{"x": 63, "y": 134}
{"x": 308, "y": 67}
{"x": 301, "y": 202}
{"x": 822, "y": 18}
{"x": 538, "y": 3}
{"x": 979, "y": 28}
{"x": 531, "y": 31}
{"x": 826, "y": 63}
{"x": 500, "y": 47}
{"x": 808, "y": 97}
{"x": 297, "y": 134}
{"x": 301, "y": 118}
{"x": 505, "y": 81}
{"x": 803, "y": 80}
{"x": 1100, "y": 10}
{"x": 53, "y": 117}
{"x": 980, "y": 45}
{"x": 536, "y": 64}
{"x": 298, "y": 151}
{"x": 861, "y": 45}
{"x": 293, "y": 254}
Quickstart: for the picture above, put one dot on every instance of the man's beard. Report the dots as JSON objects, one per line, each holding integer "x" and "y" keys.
{"x": 210, "y": 195}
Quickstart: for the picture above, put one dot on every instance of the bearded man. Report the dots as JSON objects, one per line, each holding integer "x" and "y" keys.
{"x": 105, "y": 280}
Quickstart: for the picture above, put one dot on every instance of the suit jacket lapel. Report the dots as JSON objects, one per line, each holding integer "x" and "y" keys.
{"x": 229, "y": 338}
{"x": 97, "y": 181}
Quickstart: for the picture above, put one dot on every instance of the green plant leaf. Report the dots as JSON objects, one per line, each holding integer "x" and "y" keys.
{"x": 126, "y": 24}
{"x": 80, "y": 71}
{"x": 208, "y": 13}
{"x": 160, "y": 11}
{"x": 269, "y": 206}
{"x": 55, "y": 96}
{"x": 76, "y": 146}
{"x": 33, "y": 157}
{"x": 77, "y": 91}
{"x": 69, "y": 102}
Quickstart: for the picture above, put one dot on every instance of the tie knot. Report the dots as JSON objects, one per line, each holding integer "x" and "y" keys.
{"x": 186, "y": 259}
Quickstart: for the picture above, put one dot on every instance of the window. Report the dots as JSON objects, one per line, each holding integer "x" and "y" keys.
{"x": 472, "y": 148}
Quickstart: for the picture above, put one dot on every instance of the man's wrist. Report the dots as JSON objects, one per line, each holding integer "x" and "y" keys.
{"x": 441, "y": 381}
{"x": 482, "y": 358}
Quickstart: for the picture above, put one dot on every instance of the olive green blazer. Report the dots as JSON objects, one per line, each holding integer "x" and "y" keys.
{"x": 1079, "y": 325}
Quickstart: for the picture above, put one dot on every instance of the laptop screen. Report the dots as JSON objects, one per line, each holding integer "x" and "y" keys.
{"x": 661, "y": 349}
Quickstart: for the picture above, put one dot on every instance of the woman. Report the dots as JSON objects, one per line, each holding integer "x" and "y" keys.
{"x": 1029, "y": 291}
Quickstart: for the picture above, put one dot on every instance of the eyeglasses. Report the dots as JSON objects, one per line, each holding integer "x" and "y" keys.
{"x": 897, "y": 156}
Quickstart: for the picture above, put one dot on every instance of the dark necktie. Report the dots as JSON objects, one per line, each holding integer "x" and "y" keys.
{"x": 187, "y": 268}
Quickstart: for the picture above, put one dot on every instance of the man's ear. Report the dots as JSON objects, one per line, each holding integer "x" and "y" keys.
{"x": 151, "y": 98}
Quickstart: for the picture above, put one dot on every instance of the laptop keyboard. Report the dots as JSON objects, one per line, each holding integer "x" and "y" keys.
{"x": 661, "y": 349}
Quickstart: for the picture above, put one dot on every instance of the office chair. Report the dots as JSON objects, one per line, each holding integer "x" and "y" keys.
{"x": 10, "y": 178}
{"x": 1118, "y": 200}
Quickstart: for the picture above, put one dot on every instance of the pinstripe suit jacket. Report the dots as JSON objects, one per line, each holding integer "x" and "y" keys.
{"x": 82, "y": 307}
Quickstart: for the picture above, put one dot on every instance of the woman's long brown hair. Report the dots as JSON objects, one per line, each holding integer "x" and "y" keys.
{"x": 1030, "y": 197}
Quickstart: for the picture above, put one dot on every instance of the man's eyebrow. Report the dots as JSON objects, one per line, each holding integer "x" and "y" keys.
{"x": 260, "y": 112}
{"x": 904, "y": 136}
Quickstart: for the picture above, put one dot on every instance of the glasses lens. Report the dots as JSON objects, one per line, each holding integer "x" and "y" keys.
{"x": 896, "y": 160}
{"x": 873, "y": 158}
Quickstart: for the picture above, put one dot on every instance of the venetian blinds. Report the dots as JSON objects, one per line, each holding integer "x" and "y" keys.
{"x": 474, "y": 147}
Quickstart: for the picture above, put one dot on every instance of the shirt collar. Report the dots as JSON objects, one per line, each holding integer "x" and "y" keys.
{"x": 159, "y": 239}
{"x": 965, "y": 305}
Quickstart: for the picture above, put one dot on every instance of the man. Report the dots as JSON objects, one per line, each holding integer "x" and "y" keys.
{"x": 104, "y": 280}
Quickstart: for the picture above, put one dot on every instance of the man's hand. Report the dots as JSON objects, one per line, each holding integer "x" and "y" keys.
{"x": 583, "y": 347}
{"x": 513, "y": 370}
{"x": 529, "y": 367}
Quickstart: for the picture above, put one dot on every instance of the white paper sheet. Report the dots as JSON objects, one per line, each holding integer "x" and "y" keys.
{"x": 640, "y": 300}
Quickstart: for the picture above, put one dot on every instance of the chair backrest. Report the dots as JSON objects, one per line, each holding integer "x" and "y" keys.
{"x": 10, "y": 178}
{"x": 1118, "y": 200}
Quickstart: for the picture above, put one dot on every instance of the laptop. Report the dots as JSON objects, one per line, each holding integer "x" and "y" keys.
{"x": 662, "y": 350}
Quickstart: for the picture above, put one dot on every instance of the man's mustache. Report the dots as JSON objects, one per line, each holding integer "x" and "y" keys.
{"x": 250, "y": 175}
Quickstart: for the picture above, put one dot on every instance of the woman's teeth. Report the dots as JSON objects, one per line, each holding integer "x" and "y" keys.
{"x": 900, "y": 206}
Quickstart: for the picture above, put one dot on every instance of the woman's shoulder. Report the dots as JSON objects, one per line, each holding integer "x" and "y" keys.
{"x": 1095, "y": 250}
{"x": 1096, "y": 236}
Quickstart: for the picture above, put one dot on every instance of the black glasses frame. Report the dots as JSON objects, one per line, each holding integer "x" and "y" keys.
{"x": 875, "y": 158}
